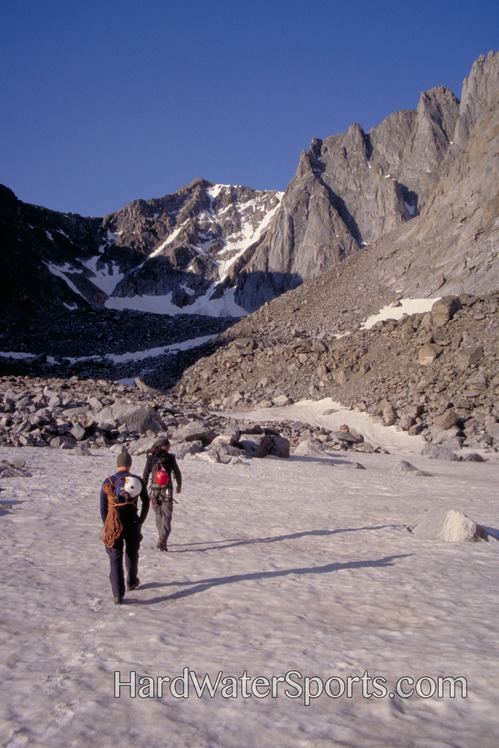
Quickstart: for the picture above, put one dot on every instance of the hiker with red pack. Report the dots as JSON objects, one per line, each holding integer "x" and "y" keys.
{"x": 160, "y": 465}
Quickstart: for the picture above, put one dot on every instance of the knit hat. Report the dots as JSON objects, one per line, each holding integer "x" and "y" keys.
{"x": 163, "y": 442}
{"x": 124, "y": 460}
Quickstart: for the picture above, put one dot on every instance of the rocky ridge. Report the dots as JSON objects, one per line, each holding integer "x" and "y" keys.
{"x": 420, "y": 192}
{"x": 433, "y": 373}
{"x": 430, "y": 377}
{"x": 175, "y": 251}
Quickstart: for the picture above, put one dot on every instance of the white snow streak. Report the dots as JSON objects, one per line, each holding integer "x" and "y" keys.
{"x": 120, "y": 358}
{"x": 60, "y": 271}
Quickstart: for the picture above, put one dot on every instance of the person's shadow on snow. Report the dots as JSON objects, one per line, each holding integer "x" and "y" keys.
{"x": 234, "y": 542}
{"x": 201, "y": 585}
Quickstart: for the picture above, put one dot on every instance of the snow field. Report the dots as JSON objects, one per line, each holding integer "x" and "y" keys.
{"x": 301, "y": 569}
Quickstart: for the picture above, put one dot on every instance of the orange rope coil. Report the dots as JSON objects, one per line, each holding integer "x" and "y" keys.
{"x": 113, "y": 527}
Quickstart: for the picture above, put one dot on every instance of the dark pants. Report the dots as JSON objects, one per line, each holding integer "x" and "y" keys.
{"x": 129, "y": 541}
{"x": 163, "y": 510}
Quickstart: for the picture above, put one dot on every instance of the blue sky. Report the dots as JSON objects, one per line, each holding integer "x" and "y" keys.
{"x": 106, "y": 102}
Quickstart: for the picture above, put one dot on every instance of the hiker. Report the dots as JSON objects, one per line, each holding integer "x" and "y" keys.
{"x": 159, "y": 467}
{"x": 122, "y": 524}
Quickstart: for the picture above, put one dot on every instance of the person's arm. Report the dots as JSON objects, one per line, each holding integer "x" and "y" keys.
{"x": 144, "y": 506}
{"x": 147, "y": 469}
{"x": 178, "y": 474}
{"x": 103, "y": 503}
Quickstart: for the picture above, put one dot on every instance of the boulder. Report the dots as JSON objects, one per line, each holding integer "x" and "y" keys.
{"x": 141, "y": 446}
{"x": 196, "y": 431}
{"x": 492, "y": 430}
{"x": 136, "y": 418}
{"x": 281, "y": 400}
{"x": 78, "y": 432}
{"x": 389, "y": 415}
{"x": 435, "y": 452}
{"x": 14, "y": 469}
{"x": 467, "y": 357}
{"x": 353, "y": 465}
{"x": 229, "y": 451}
{"x": 230, "y": 437}
{"x": 406, "y": 422}
{"x": 62, "y": 442}
{"x": 450, "y": 525}
{"x": 188, "y": 449}
{"x": 274, "y": 445}
{"x": 348, "y": 437}
{"x": 211, "y": 455}
{"x": 406, "y": 467}
{"x": 446, "y": 420}
{"x": 310, "y": 448}
{"x": 444, "y": 309}
{"x": 428, "y": 353}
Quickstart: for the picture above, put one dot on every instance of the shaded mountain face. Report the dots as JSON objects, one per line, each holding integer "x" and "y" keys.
{"x": 166, "y": 255}
{"x": 420, "y": 185}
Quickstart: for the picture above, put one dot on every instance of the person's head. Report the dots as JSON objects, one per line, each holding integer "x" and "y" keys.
{"x": 124, "y": 461}
{"x": 162, "y": 445}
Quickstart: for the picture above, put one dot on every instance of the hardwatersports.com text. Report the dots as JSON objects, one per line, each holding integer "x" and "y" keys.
{"x": 292, "y": 685}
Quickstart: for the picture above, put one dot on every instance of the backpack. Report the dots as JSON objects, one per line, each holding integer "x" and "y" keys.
{"x": 127, "y": 489}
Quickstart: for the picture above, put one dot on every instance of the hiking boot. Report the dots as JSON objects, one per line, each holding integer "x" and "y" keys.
{"x": 135, "y": 585}
{"x": 118, "y": 600}
{"x": 161, "y": 546}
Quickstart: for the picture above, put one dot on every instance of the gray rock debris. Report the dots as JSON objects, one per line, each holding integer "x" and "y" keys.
{"x": 86, "y": 415}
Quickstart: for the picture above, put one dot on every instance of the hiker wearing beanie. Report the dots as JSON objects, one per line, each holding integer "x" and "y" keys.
{"x": 160, "y": 465}
{"x": 122, "y": 524}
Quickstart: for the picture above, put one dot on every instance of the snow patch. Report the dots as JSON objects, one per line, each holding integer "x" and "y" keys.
{"x": 332, "y": 415}
{"x": 102, "y": 278}
{"x": 411, "y": 209}
{"x": 405, "y": 306}
{"x": 167, "y": 241}
{"x": 17, "y": 354}
{"x": 225, "y": 306}
{"x": 121, "y": 358}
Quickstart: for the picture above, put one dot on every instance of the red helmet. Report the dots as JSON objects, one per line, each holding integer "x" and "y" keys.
{"x": 161, "y": 478}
